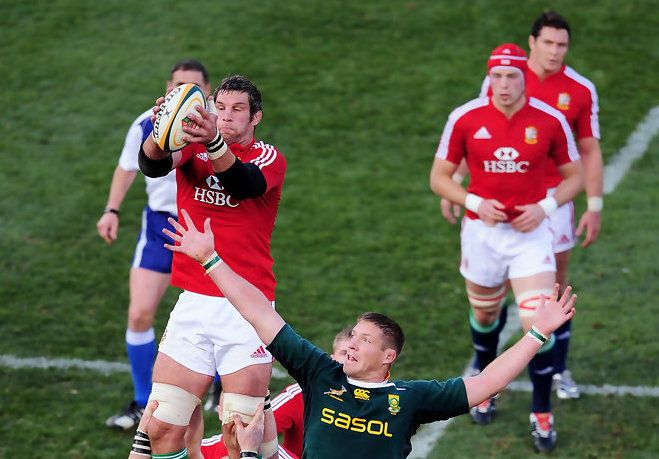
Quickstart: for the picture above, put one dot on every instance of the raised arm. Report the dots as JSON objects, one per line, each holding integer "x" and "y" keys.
{"x": 549, "y": 315}
{"x": 247, "y": 299}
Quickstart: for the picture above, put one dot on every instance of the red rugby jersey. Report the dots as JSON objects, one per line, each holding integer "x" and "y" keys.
{"x": 507, "y": 159}
{"x": 570, "y": 93}
{"x": 288, "y": 408}
{"x": 242, "y": 229}
{"x": 213, "y": 448}
{"x": 575, "y": 97}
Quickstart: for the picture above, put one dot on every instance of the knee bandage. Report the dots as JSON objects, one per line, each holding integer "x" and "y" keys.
{"x": 528, "y": 301}
{"x": 487, "y": 302}
{"x": 242, "y": 405}
{"x": 175, "y": 405}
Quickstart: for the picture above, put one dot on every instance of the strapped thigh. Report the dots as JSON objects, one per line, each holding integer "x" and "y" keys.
{"x": 529, "y": 300}
{"x": 243, "y": 405}
{"x": 487, "y": 302}
{"x": 175, "y": 405}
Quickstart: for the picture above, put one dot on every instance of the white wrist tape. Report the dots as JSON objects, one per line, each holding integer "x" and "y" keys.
{"x": 269, "y": 448}
{"x": 472, "y": 202}
{"x": 216, "y": 147}
{"x": 595, "y": 204}
{"x": 548, "y": 204}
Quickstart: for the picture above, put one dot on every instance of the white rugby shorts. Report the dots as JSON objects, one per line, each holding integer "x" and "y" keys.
{"x": 492, "y": 254}
{"x": 562, "y": 226}
{"x": 206, "y": 333}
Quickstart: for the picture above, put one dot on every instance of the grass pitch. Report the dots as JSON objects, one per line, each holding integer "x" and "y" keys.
{"x": 355, "y": 96}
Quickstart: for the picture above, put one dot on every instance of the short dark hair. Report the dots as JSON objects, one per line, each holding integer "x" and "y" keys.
{"x": 549, "y": 19}
{"x": 241, "y": 84}
{"x": 393, "y": 334}
{"x": 190, "y": 64}
{"x": 342, "y": 335}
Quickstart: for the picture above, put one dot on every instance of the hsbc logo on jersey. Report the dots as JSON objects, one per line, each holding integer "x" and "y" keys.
{"x": 216, "y": 195}
{"x": 505, "y": 162}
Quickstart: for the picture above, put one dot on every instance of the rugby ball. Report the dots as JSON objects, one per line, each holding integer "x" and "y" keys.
{"x": 173, "y": 115}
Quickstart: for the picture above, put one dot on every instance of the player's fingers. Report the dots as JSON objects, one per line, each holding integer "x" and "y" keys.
{"x": 188, "y": 220}
{"x": 177, "y": 226}
{"x": 239, "y": 422}
{"x": 556, "y": 289}
{"x": 171, "y": 234}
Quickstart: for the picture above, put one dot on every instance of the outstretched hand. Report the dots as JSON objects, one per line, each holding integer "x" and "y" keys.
{"x": 552, "y": 312}
{"x": 193, "y": 243}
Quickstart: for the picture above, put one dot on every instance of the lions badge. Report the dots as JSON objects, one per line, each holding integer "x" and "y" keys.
{"x": 531, "y": 135}
{"x": 563, "y": 101}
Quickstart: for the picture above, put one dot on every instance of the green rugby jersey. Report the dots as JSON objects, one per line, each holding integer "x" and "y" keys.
{"x": 347, "y": 418}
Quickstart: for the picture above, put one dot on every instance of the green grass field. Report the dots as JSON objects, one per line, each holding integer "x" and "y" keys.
{"x": 355, "y": 97}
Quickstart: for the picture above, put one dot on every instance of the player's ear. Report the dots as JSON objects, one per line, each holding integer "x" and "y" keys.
{"x": 256, "y": 118}
{"x": 390, "y": 355}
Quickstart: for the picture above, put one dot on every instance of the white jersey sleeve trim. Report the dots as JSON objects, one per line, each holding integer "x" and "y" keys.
{"x": 573, "y": 153}
{"x": 594, "y": 107}
{"x": 286, "y": 396}
{"x": 442, "y": 148}
{"x": 267, "y": 156}
{"x": 485, "y": 86}
{"x": 211, "y": 440}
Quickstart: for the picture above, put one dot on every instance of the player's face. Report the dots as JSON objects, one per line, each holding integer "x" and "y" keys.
{"x": 233, "y": 117}
{"x": 180, "y": 77}
{"x": 507, "y": 86}
{"x": 340, "y": 353}
{"x": 547, "y": 51}
{"x": 366, "y": 357}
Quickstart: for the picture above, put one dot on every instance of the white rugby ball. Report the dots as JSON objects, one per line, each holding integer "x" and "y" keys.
{"x": 173, "y": 115}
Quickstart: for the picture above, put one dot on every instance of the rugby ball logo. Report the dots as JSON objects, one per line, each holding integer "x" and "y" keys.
{"x": 173, "y": 115}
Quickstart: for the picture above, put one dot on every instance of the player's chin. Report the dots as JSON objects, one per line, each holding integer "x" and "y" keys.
{"x": 349, "y": 367}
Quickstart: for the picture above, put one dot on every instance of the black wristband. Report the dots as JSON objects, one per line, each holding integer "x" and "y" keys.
{"x": 111, "y": 211}
{"x": 249, "y": 454}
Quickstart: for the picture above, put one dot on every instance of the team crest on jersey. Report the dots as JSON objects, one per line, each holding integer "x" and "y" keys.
{"x": 203, "y": 156}
{"x": 361, "y": 394}
{"x": 531, "y": 135}
{"x": 336, "y": 393}
{"x": 563, "y": 101}
{"x": 394, "y": 404}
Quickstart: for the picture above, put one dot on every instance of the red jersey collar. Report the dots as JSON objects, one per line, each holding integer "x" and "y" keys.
{"x": 238, "y": 150}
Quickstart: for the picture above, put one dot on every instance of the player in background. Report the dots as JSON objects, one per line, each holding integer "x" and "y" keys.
{"x": 508, "y": 140}
{"x": 382, "y": 415}
{"x": 552, "y": 81}
{"x": 235, "y": 181}
{"x": 151, "y": 268}
{"x": 288, "y": 406}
